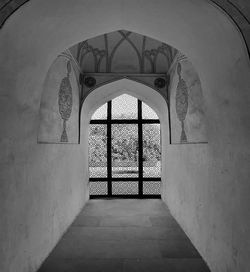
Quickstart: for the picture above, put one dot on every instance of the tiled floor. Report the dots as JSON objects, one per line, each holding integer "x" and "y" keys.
{"x": 124, "y": 236}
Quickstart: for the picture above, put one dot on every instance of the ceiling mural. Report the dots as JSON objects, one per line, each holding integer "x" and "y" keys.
{"x": 123, "y": 52}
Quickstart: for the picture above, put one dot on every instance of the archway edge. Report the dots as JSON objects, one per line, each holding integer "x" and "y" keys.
{"x": 109, "y": 91}
{"x": 196, "y": 28}
{"x": 140, "y": 78}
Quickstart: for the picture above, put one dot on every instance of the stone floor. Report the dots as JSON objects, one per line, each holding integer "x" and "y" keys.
{"x": 124, "y": 236}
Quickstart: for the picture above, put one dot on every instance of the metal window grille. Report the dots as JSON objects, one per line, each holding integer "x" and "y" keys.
{"x": 125, "y": 154}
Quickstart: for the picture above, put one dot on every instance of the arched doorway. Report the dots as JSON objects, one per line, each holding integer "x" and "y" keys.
{"x": 125, "y": 150}
{"x": 147, "y": 111}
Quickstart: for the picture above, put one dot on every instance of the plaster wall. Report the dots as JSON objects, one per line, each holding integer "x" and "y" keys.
{"x": 207, "y": 187}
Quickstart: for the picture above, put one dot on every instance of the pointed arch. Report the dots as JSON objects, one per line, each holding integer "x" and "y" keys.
{"x": 113, "y": 89}
{"x": 109, "y": 91}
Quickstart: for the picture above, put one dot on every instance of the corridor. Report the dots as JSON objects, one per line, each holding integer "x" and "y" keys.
{"x": 124, "y": 236}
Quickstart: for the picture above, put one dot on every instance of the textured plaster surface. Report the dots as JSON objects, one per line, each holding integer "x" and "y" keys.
{"x": 208, "y": 184}
{"x": 42, "y": 187}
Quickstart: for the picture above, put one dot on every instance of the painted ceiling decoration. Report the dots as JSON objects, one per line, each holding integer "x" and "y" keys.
{"x": 123, "y": 52}
{"x": 120, "y": 54}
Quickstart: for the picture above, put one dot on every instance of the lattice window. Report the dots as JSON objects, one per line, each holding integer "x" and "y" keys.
{"x": 151, "y": 150}
{"x": 125, "y": 149}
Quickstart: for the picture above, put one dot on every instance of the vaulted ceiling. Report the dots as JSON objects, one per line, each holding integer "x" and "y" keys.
{"x": 234, "y": 8}
{"x": 123, "y": 52}
{"x": 238, "y": 10}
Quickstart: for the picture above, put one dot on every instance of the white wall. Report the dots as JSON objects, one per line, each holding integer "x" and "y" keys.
{"x": 208, "y": 186}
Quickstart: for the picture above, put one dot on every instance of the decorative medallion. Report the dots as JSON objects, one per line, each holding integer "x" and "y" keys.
{"x": 90, "y": 82}
{"x": 181, "y": 105}
{"x": 160, "y": 82}
{"x": 65, "y": 101}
